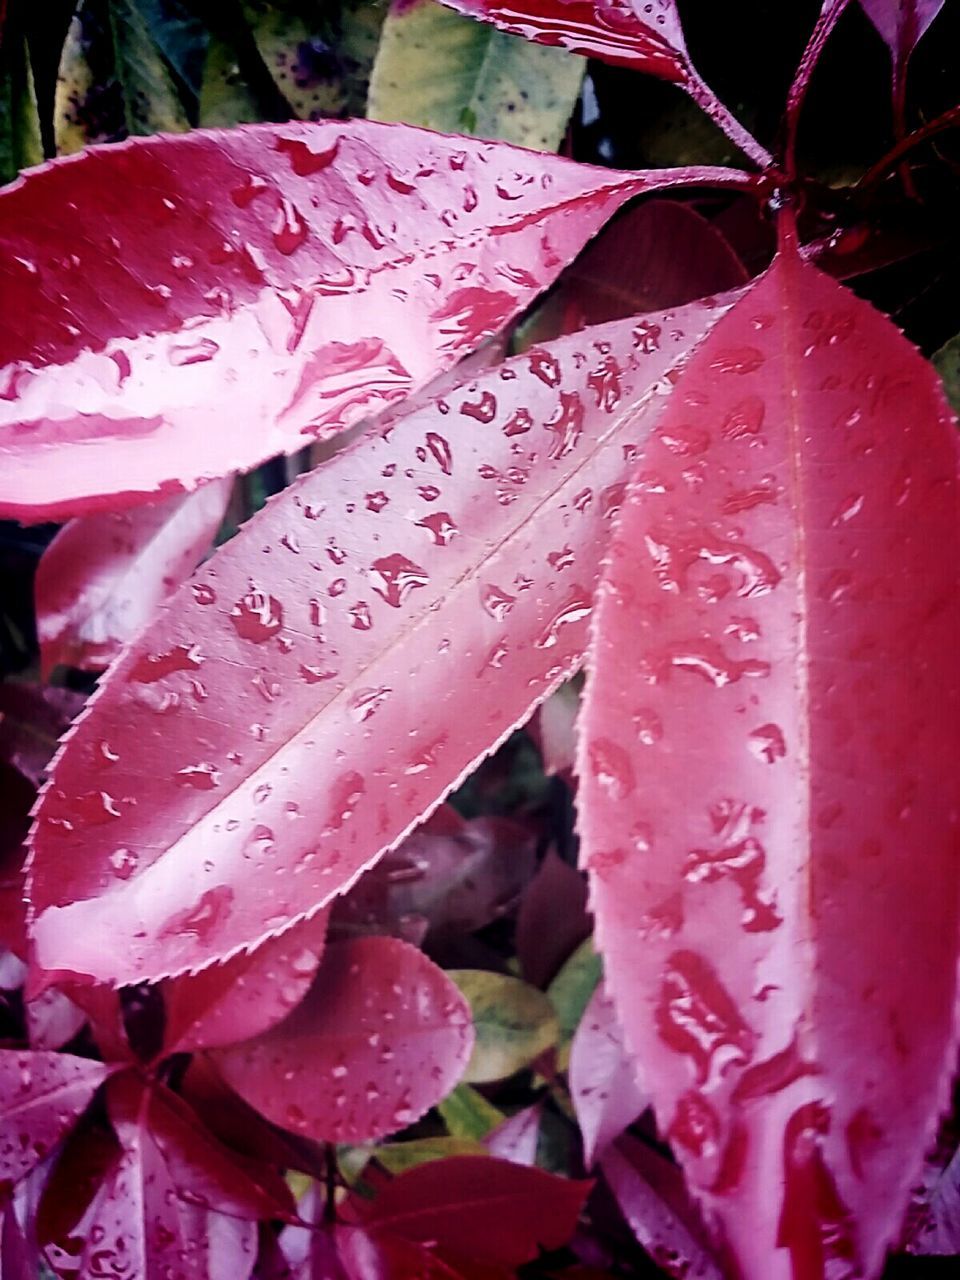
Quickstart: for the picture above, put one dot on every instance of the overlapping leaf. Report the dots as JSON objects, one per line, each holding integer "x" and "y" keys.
{"x": 769, "y": 794}
{"x": 603, "y": 1077}
{"x": 299, "y": 693}
{"x": 229, "y": 296}
{"x": 901, "y": 23}
{"x": 100, "y": 580}
{"x": 382, "y": 1036}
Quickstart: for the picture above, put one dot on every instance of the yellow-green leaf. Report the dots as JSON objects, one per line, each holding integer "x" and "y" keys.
{"x": 20, "y": 144}
{"x": 514, "y": 1023}
{"x": 443, "y": 71}
{"x": 946, "y": 361}
{"x": 225, "y": 97}
{"x": 399, "y": 1156}
{"x": 151, "y": 99}
{"x": 570, "y": 993}
{"x": 468, "y": 1114}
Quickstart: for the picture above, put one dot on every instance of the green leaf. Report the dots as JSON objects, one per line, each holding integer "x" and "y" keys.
{"x": 467, "y": 1114}
{"x": 570, "y": 993}
{"x": 179, "y": 36}
{"x": 443, "y": 71}
{"x": 20, "y": 144}
{"x": 400, "y": 1156}
{"x": 225, "y": 97}
{"x": 946, "y": 361}
{"x": 151, "y": 98}
{"x": 88, "y": 100}
{"x": 514, "y": 1023}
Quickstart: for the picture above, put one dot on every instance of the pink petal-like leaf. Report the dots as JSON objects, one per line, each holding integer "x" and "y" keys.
{"x": 102, "y": 577}
{"x": 478, "y": 1207}
{"x": 516, "y": 1139}
{"x": 628, "y": 33}
{"x": 603, "y": 1083}
{"x": 769, "y": 793}
{"x": 52, "y": 1019}
{"x": 382, "y": 1037}
{"x": 652, "y": 1198}
{"x": 246, "y": 995}
{"x": 233, "y": 295}
{"x": 456, "y": 554}
{"x": 41, "y": 1095}
{"x": 139, "y": 1224}
{"x": 901, "y": 23}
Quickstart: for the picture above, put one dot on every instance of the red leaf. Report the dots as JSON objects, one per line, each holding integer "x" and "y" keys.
{"x": 901, "y": 23}
{"x": 188, "y": 332}
{"x": 645, "y": 37}
{"x": 369, "y": 1256}
{"x": 285, "y": 679}
{"x": 17, "y": 1260}
{"x": 552, "y": 921}
{"x": 382, "y": 1037}
{"x": 478, "y": 1207}
{"x": 102, "y": 577}
{"x": 66, "y": 1204}
{"x": 769, "y": 791}
{"x": 603, "y": 1083}
{"x": 651, "y": 1196}
{"x": 41, "y": 1095}
{"x": 32, "y": 719}
{"x": 141, "y": 1227}
{"x": 246, "y": 995}
{"x": 206, "y": 1173}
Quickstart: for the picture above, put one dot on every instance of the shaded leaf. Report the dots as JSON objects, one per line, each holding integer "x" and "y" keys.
{"x": 514, "y": 1211}
{"x": 225, "y": 97}
{"x": 514, "y": 1023}
{"x": 298, "y": 668}
{"x": 180, "y": 37}
{"x": 100, "y": 580}
{"x": 52, "y": 1019}
{"x": 571, "y": 989}
{"x": 936, "y": 1219}
{"x": 382, "y": 1036}
{"x": 152, "y": 102}
{"x": 20, "y": 143}
{"x": 468, "y": 1114}
{"x": 246, "y": 995}
{"x": 33, "y": 718}
{"x": 946, "y": 361}
{"x": 17, "y": 1260}
{"x": 777, "y": 765}
{"x": 212, "y": 284}
{"x": 443, "y": 71}
{"x": 66, "y": 1204}
{"x": 555, "y": 727}
{"x": 652, "y": 1198}
{"x": 41, "y": 1095}
{"x": 552, "y": 921}
{"x": 88, "y": 102}
{"x": 603, "y": 1078}
{"x": 612, "y": 30}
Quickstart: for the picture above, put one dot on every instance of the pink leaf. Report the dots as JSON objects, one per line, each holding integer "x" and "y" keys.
{"x": 140, "y": 1226}
{"x": 651, "y": 1196}
{"x": 17, "y": 1260}
{"x": 102, "y": 577}
{"x": 625, "y": 32}
{"x": 381, "y": 1038}
{"x": 901, "y": 23}
{"x": 52, "y": 1019}
{"x": 769, "y": 792}
{"x": 233, "y": 295}
{"x": 603, "y": 1084}
{"x": 935, "y": 1228}
{"x": 478, "y": 1207}
{"x": 457, "y": 556}
{"x": 41, "y": 1095}
{"x": 516, "y": 1138}
{"x": 246, "y": 995}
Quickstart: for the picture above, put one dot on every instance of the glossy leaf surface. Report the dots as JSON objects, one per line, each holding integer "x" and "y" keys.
{"x": 514, "y": 1210}
{"x": 901, "y": 23}
{"x": 441, "y": 70}
{"x": 246, "y": 995}
{"x": 102, "y": 577}
{"x": 43, "y": 1094}
{"x": 282, "y": 690}
{"x": 382, "y": 1036}
{"x": 625, "y": 32}
{"x": 602, "y": 1074}
{"x": 769, "y": 798}
{"x": 216, "y": 270}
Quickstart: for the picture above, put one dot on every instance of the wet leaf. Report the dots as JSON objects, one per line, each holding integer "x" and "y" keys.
{"x": 382, "y": 1037}
{"x": 517, "y": 1137}
{"x": 52, "y": 1019}
{"x": 613, "y": 30}
{"x": 778, "y": 587}
{"x": 246, "y": 995}
{"x": 514, "y": 1211}
{"x": 103, "y": 576}
{"x": 214, "y": 269}
{"x": 473, "y": 531}
{"x": 653, "y": 1199}
{"x": 41, "y": 1095}
{"x": 441, "y": 70}
{"x": 603, "y": 1078}
{"x": 514, "y": 1023}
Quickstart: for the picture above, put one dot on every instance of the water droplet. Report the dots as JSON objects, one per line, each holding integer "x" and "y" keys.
{"x": 376, "y": 501}
{"x": 744, "y": 420}
{"x": 848, "y": 509}
{"x": 203, "y": 593}
{"x": 518, "y": 424}
{"x": 696, "y": 1017}
{"x": 767, "y": 743}
{"x": 337, "y": 587}
{"x": 545, "y": 366}
{"x": 483, "y": 410}
{"x": 675, "y": 554}
{"x": 566, "y": 424}
{"x": 441, "y": 527}
{"x": 496, "y": 601}
{"x": 578, "y": 606}
{"x": 248, "y": 190}
{"x": 440, "y": 449}
{"x": 360, "y": 616}
{"x": 394, "y": 577}
{"x": 610, "y": 765}
{"x": 154, "y": 666}
{"x": 429, "y": 492}
{"x": 124, "y": 863}
{"x": 605, "y": 383}
{"x": 257, "y": 616}
{"x": 345, "y": 794}
{"x": 737, "y": 360}
{"x": 561, "y": 559}
{"x": 648, "y": 725}
{"x": 202, "y": 777}
{"x": 646, "y": 336}
{"x": 684, "y": 440}
{"x": 289, "y": 228}
{"x": 366, "y": 701}
{"x": 198, "y": 352}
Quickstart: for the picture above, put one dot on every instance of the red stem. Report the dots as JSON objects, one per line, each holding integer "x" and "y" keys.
{"x": 829, "y": 14}
{"x": 723, "y": 118}
{"x": 950, "y": 119}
